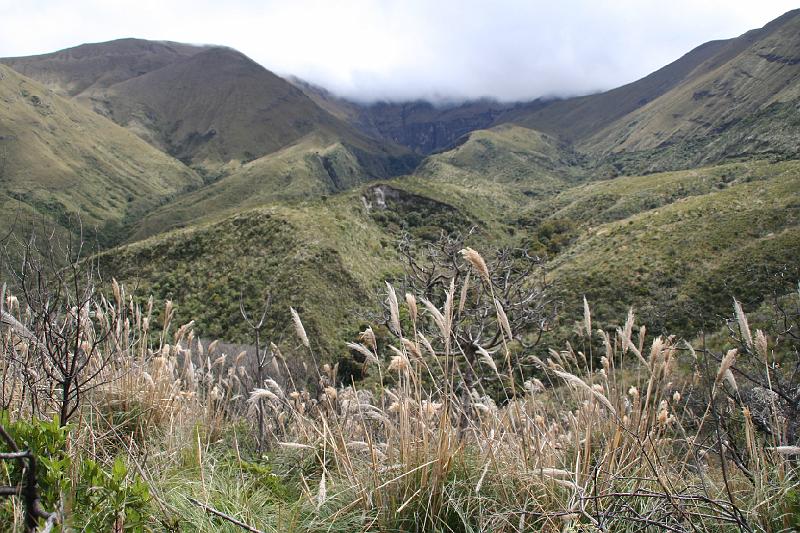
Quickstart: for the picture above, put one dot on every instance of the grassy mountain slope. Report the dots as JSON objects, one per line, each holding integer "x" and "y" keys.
{"x": 681, "y": 245}
{"x": 676, "y": 245}
{"x": 327, "y": 256}
{"x": 577, "y": 118}
{"x": 84, "y": 70}
{"x": 319, "y": 164}
{"x": 673, "y": 244}
{"x": 506, "y": 154}
{"x": 58, "y": 159}
{"x": 215, "y": 106}
{"x": 322, "y": 259}
{"x": 748, "y": 105}
{"x": 290, "y": 211}
{"x": 211, "y": 107}
{"x": 725, "y": 100}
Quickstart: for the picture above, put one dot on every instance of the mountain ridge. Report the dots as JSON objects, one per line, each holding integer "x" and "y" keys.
{"x": 565, "y": 179}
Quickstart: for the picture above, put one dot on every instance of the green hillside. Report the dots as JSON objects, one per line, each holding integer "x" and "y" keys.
{"x": 681, "y": 245}
{"x": 211, "y": 107}
{"x": 214, "y": 107}
{"x": 725, "y": 100}
{"x": 319, "y": 164}
{"x": 667, "y": 242}
{"x": 296, "y": 198}
{"x": 322, "y": 258}
{"x": 58, "y": 159}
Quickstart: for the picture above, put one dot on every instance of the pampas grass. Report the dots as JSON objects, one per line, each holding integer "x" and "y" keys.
{"x": 418, "y": 449}
{"x": 300, "y": 331}
{"x": 476, "y": 260}
{"x": 394, "y": 310}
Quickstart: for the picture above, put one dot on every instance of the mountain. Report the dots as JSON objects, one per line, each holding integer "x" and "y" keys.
{"x": 83, "y": 70}
{"x": 207, "y": 106}
{"x": 672, "y": 193}
{"x": 214, "y": 107}
{"x": 723, "y": 100}
{"x": 743, "y": 102}
{"x": 58, "y": 159}
{"x": 422, "y": 126}
{"x": 317, "y": 165}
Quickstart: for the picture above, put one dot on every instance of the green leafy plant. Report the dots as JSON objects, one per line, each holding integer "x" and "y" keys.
{"x": 98, "y": 500}
{"x": 114, "y": 499}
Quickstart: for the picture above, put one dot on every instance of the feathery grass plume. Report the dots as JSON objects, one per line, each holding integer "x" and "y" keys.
{"x": 360, "y": 348}
{"x": 117, "y": 292}
{"x": 725, "y": 365}
{"x": 663, "y": 413}
{"x": 462, "y": 300}
{"x": 533, "y": 386}
{"x": 411, "y": 303}
{"x": 486, "y": 357}
{"x": 398, "y": 362}
{"x": 480, "y": 480}
{"x": 555, "y": 473}
{"x": 322, "y": 492}
{"x": 438, "y": 318}
{"x": 642, "y": 336}
{"x": 503, "y": 319}
{"x": 274, "y": 387}
{"x": 426, "y": 343}
{"x": 761, "y": 345}
{"x": 787, "y": 450}
{"x": 411, "y": 348}
{"x": 213, "y": 346}
{"x": 656, "y": 351}
{"x": 16, "y": 325}
{"x": 606, "y": 343}
{"x": 627, "y": 331}
{"x": 299, "y": 329}
{"x": 263, "y": 394}
{"x": 555, "y": 357}
{"x": 448, "y": 306}
{"x": 587, "y": 318}
{"x": 744, "y": 327}
{"x": 368, "y": 336}
{"x": 578, "y": 382}
{"x": 477, "y": 262}
{"x": 394, "y": 310}
{"x": 330, "y": 393}
{"x": 731, "y": 380}
{"x": 276, "y": 351}
{"x": 295, "y": 446}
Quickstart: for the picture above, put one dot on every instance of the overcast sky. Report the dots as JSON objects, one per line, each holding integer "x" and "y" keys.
{"x": 404, "y": 49}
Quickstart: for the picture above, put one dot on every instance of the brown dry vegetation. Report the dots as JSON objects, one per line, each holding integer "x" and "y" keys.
{"x": 620, "y": 431}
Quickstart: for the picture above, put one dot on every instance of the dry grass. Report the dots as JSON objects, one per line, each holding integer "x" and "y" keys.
{"x": 634, "y": 442}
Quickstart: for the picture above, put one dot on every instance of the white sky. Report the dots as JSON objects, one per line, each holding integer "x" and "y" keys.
{"x": 404, "y": 49}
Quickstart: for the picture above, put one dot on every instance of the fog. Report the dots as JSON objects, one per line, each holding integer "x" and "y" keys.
{"x": 443, "y": 50}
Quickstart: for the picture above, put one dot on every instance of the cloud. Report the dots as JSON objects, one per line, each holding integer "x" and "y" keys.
{"x": 407, "y": 49}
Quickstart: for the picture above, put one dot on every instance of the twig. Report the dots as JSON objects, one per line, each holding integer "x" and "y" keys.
{"x": 232, "y": 520}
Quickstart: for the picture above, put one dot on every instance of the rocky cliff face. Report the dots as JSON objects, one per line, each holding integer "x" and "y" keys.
{"x": 424, "y": 127}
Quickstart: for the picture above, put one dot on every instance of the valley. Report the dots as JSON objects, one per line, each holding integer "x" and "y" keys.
{"x": 241, "y": 142}
{"x": 233, "y": 299}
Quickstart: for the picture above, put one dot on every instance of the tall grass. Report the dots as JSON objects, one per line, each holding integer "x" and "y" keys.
{"x": 631, "y": 432}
